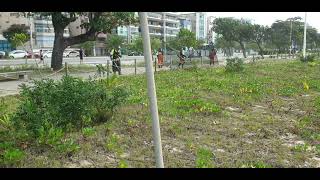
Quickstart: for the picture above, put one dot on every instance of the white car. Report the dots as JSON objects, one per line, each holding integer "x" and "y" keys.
{"x": 72, "y": 54}
{"x": 2, "y": 54}
{"x": 47, "y": 54}
{"x": 17, "y": 54}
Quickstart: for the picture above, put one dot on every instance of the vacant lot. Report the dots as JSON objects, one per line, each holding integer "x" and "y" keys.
{"x": 266, "y": 116}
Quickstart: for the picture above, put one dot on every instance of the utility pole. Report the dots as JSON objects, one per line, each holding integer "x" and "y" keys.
{"x": 31, "y": 41}
{"x": 291, "y": 38}
{"x": 305, "y": 36}
{"x": 151, "y": 89}
{"x": 129, "y": 34}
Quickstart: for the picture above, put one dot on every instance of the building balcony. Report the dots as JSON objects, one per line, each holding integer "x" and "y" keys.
{"x": 155, "y": 34}
{"x": 170, "y": 27}
{"x": 172, "y": 20}
{"x": 154, "y": 18}
{"x": 154, "y": 26}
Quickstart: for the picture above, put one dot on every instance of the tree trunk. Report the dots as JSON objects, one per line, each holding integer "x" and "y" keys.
{"x": 261, "y": 50}
{"x": 58, "y": 48}
{"x": 243, "y": 49}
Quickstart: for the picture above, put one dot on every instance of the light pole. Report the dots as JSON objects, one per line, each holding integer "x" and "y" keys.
{"x": 305, "y": 36}
{"x": 291, "y": 38}
{"x": 151, "y": 89}
{"x": 31, "y": 43}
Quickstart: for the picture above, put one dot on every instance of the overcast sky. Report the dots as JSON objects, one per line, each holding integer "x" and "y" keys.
{"x": 267, "y": 18}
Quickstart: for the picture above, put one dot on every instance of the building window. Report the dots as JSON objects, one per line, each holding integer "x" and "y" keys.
{"x": 7, "y": 21}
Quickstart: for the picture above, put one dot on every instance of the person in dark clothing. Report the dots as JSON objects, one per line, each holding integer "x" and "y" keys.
{"x": 115, "y": 57}
{"x": 41, "y": 56}
{"x": 212, "y": 56}
{"x": 81, "y": 55}
{"x": 182, "y": 57}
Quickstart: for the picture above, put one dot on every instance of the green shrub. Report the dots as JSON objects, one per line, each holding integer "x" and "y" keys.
{"x": 69, "y": 103}
{"x": 12, "y": 156}
{"x": 204, "y": 158}
{"x": 309, "y": 58}
{"x": 87, "y": 132}
{"x": 234, "y": 65}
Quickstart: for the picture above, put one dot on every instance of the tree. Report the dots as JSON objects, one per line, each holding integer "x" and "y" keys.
{"x": 138, "y": 45}
{"x": 114, "y": 41}
{"x": 17, "y": 32}
{"x": 233, "y": 30}
{"x": 98, "y": 22}
{"x": 19, "y": 39}
{"x": 259, "y": 34}
{"x": 225, "y": 45}
{"x": 87, "y": 47}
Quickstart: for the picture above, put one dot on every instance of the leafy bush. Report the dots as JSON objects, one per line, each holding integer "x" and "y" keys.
{"x": 234, "y": 65}
{"x": 11, "y": 156}
{"x": 309, "y": 58}
{"x": 204, "y": 158}
{"x": 69, "y": 103}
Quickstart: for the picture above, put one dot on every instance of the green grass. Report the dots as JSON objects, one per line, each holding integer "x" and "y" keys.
{"x": 197, "y": 126}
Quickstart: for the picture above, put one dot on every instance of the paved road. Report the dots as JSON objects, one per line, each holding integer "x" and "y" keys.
{"x": 126, "y": 60}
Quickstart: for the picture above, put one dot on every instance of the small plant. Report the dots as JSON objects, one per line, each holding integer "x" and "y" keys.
{"x": 50, "y": 136}
{"x": 123, "y": 164}
{"x": 234, "y": 65}
{"x": 67, "y": 146}
{"x": 258, "y": 164}
{"x": 204, "y": 158}
{"x": 305, "y": 85}
{"x": 12, "y": 156}
{"x": 300, "y": 148}
{"x": 87, "y": 132}
{"x": 112, "y": 143}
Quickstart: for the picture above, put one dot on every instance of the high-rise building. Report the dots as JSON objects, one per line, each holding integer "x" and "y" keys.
{"x": 42, "y": 29}
{"x": 44, "y": 32}
{"x": 198, "y": 23}
{"x": 6, "y": 20}
{"x": 211, "y": 34}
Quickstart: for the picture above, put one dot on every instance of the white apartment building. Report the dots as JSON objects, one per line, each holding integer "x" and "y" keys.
{"x": 211, "y": 35}
{"x": 198, "y": 24}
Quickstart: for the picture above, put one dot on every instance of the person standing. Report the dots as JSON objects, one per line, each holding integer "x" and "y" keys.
{"x": 213, "y": 56}
{"x": 41, "y": 56}
{"x": 115, "y": 58}
{"x": 160, "y": 58}
{"x": 81, "y": 55}
{"x": 182, "y": 58}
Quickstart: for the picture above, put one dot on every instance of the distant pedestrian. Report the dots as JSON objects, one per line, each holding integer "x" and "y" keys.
{"x": 81, "y": 55}
{"x": 115, "y": 58}
{"x": 182, "y": 57}
{"x": 213, "y": 56}
{"x": 160, "y": 58}
{"x": 41, "y": 56}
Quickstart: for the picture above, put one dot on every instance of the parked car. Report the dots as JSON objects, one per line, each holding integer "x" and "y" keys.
{"x": 2, "y": 54}
{"x": 74, "y": 53}
{"x": 47, "y": 54}
{"x": 17, "y": 54}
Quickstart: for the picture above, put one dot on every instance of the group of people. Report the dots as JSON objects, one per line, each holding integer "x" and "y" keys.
{"x": 115, "y": 55}
{"x": 182, "y": 56}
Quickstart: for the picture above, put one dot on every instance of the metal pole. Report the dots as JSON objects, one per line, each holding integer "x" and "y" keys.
{"x": 135, "y": 66}
{"x": 151, "y": 90}
{"x": 31, "y": 42}
{"x": 66, "y": 67}
{"x": 108, "y": 69}
{"x": 291, "y": 39}
{"x": 164, "y": 37}
{"x": 305, "y": 36}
